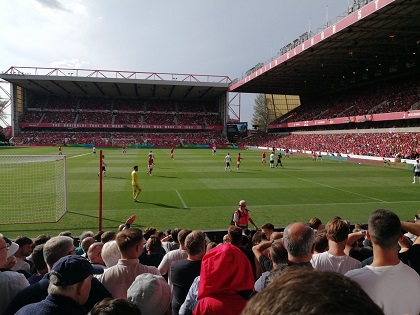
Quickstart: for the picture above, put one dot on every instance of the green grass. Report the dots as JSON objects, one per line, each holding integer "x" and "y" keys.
{"x": 193, "y": 191}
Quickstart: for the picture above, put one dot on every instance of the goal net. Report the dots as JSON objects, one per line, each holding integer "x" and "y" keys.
{"x": 33, "y": 188}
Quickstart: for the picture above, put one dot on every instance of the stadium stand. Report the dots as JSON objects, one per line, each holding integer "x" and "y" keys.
{"x": 39, "y": 122}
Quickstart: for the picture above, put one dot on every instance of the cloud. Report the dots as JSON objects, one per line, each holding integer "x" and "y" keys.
{"x": 53, "y": 5}
{"x": 69, "y": 63}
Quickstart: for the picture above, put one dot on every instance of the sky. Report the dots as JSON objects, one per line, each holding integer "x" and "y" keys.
{"x": 217, "y": 37}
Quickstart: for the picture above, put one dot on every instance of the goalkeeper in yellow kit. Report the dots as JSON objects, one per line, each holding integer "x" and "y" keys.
{"x": 135, "y": 184}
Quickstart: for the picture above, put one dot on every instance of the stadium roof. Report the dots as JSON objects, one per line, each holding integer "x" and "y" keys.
{"x": 105, "y": 83}
{"x": 379, "y": 39}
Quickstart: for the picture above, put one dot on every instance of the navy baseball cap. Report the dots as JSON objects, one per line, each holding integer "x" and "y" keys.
{"x": 72, "y": 269}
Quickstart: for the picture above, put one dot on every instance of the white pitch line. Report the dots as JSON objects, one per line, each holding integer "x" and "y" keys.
{"x": 70, "y": 157}
{"x": 182, "y": 200}
{"x": 343, "y": 190}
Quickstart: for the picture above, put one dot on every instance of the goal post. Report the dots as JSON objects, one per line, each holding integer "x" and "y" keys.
{"x": 33, "y": 188}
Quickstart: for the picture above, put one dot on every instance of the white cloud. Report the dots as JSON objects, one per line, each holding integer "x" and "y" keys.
{"x": 53, "y": 5}
{"x": 69, "y": 63}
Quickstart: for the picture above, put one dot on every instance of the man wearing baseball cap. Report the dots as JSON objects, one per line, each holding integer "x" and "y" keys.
{"x": 54, "y": 249}
{"x": 70, "y": 282}
{"x": 11, "y": 282}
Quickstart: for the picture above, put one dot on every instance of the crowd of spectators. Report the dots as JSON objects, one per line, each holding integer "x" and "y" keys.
{"x": 368, "y": 268}
{"x": 31, "y": 117}
{"x": 190, "y": 120}
{"x": 383, "y": 98}
{"x": 55, "y": 102}
{"x": 164, "y": 139}
{"x": 159, "y": 119}
{"x": 390, "y": 144}
{"x": 100, "y": 117}
{"x": 119, "y": 111}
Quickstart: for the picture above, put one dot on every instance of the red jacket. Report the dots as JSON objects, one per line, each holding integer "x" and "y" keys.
{"x": 225, "y": 271}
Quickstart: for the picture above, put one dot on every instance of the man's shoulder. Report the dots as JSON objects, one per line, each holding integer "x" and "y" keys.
{"x": 149, "y": 269}
{"x": 180, "y": 263}
{"x": 358, "y": 272}
{"x": 11, "y": 276}
{"x": 31, "y": 294}
{"x": 319, "y": 256}
{"x": 177, "y": 253}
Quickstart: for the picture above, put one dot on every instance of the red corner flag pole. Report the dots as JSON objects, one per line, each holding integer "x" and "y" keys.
{"x": 100, "y": 192}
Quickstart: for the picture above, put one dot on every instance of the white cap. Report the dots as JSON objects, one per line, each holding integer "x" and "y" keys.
{"x": 13, "y": 247}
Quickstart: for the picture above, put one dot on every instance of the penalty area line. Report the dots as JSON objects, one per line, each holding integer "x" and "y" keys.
{"x": 182, "y": 200}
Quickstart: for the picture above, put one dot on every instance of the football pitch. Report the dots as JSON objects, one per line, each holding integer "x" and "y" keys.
{"x": 193, "y": 190}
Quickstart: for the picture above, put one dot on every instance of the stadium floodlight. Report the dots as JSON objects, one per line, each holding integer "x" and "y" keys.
{"x": 33, "y": 188}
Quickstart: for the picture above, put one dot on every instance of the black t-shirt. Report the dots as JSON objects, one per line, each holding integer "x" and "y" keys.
{"x": 183, "y": 273}
{"x": 411, "y": 257}
{"x": 266, "y": 263}
{"x": 251, "y": 257}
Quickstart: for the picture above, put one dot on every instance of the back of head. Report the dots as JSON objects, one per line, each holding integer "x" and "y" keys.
{"x": 340, "y": 295}
{"x": 94, "y": 250}
{"x": 151, "y": 294}
{"x": 268, "y": 226}
{"x": 23, "y": 240}
{"x": 210, "y": 246}
{"x": 154, "y": 244}
{"x": 298, "y": 239}
{"x": 315, "y": 223}
{"x": 57, "y": 247}
{"x": 86, "y": 242}
{"x": 65, "y": 233}
{"x": 98, "y": 236}
{"x": 384, "y": 228}
{"x": 235, "y": 235}
{"x": 174, "y": 234}
{"x": 321, "y": 242}
{"x": 258, "y": 237}
{"x": 128, "y": 239}
{"x": 111, "y": 253}
{"x": 195, "y": 243}
{"x": 337, "y": 230}
{"x": 278, "y": 252}
{"x": 110, "y": 306}
{"x": 86, "y": 234}
{"x": 38, "y": 258}
{"x": 41, "y": 239}
{"x": 182, "y": 235}
{"x": 149, "y": 231}
{"x": 108, "y": 236}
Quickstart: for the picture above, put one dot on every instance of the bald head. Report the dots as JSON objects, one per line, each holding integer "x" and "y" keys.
{"x": 94, "y": 253}
{"x": 299, "y": 241}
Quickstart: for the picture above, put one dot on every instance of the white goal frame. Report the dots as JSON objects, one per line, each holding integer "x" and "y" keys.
{"x": 33, "y": 188}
